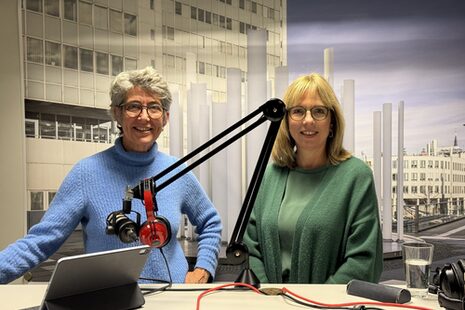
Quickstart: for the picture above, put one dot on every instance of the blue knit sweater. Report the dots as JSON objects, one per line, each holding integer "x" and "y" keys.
{"x": 94, "y": 188}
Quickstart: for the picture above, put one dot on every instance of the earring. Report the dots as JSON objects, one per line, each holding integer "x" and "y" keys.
{"x": 331, "y": 134}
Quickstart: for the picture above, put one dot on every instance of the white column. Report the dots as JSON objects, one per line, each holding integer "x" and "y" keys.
{"x": 400, "y": 173}
{"x": 387, "y": 171}
{"x": 191, "y": 68}
{"x": 220, "y": 166}
{"x": 256, "y": 92}
{"x": 329, "y": 65}
{"x": 196, "y": 96}
{"x": 377, "y": 157}
{"x": 175, "y": 126}
{"x": 349, "y": 114}
{"x": 204, "y": 136}
{"x": 12, "y": 136}
{"x": 234, "y": 152}
{"x": 281, "y": 81}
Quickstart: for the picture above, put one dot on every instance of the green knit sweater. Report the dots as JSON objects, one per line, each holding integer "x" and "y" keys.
{"x": 337, "y": 236}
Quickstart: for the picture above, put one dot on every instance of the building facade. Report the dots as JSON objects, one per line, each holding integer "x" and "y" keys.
{"x": 433, "y": 182}
{"x": 74, "y": 48}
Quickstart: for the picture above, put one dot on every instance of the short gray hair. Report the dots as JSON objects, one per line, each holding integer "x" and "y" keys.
{"x": 147, "y": 79}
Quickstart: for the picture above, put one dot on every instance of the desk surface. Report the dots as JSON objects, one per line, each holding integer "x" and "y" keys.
{"x": 23, "y": 296}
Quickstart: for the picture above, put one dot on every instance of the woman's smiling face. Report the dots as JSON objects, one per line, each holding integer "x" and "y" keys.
{"x": 140, "y": 132}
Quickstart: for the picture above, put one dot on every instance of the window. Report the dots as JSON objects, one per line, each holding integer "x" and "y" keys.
{"x": 34, "y": 5}
{"x": 65, "y": 130}
{"x": 414, "y": 189}
{"x": 52, "y": 7}
{"x": 222, "y": 21}
{"x": 152, "y": 34}
{"x": 85, "y": 13}
{"x": 47, "y": 126}
{"x": 201, "y": 15}
{"x": 208, "y": 17}
{"x": 52, "y": 54}
{"x": 102, "y": 62}
{"x": 422, "y": 163}
{"x": 168, "y": 32}
{"x": 414, "y": 176}
{"x": 241, "y": 27}
{"x": 37, "y": 201}
{"x": 242, "y": 4}
{"x": 101, "y": 17}
{"x": 422, "y": 176}
{"x": 116, "y": 22}
{"x": 152, "y": 4}
{"x": 168, "y": 60}
{"x": 131, "y": 64}
{"x": 178, "y": 8}
{"x": 51, "y": 195}
{"x": 34, "y": 50}
{"x": 201, "y": 67}
{"x": 87, "y": 61}
{"x": 70, "y": 57}
{"x": 70, "y": 9}
{"x": 116, "y": 65}
{"x": 228, "y": 23}
{"x": 254, "y": 7}
{"x": 130, "y": 24}
{"x": 215, "y": 19}
{"x": 193, "y": 12}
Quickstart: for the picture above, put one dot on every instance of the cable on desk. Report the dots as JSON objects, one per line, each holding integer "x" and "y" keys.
{"x": 168, "y": 283}
{"x": 286, "y": 291}
{"x": 216, "y": 288}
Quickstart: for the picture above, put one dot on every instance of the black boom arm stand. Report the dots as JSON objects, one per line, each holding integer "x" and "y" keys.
{"x": 236, "y": 253}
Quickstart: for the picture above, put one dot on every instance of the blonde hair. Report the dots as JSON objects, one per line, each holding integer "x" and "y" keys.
{"x": 283, "y": 152}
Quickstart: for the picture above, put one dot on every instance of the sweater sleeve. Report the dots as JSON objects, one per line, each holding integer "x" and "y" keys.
{"x": 205, "y": 217}
{"x": 363, "y": 255}
{"x": 44, "y": 238}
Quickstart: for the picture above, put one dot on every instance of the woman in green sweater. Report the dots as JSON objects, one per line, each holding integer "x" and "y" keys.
{"x": 315, "y": 219}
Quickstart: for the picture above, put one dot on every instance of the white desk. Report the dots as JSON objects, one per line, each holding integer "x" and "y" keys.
{"x": 22, "y": 296}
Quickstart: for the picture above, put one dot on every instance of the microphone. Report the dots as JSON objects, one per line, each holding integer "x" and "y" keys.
{"x": 126, "y": 229}
{"x": 379, "y": 292}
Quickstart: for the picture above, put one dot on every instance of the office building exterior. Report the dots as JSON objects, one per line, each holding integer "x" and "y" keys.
{"x": 74, "y": 48}
{"x": 434, "y": 182}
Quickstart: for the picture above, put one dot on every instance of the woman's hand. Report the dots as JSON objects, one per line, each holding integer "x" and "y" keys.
{"x": 199, "y": 275}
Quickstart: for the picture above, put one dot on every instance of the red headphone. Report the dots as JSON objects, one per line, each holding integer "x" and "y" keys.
{"x": 155, "y": 231}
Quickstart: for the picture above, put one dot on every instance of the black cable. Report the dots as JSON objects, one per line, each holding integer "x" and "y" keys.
{"x": 306, "y": 304}
{"x": 163, "y": 288}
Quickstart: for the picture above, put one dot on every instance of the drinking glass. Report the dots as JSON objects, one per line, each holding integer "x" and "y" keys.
{"x": 417, "y": 258}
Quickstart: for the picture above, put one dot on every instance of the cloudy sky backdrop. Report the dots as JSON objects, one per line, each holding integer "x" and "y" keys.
{"x": 394, "y": 50}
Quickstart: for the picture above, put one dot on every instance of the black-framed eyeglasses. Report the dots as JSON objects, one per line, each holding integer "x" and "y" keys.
{"x": 318, "y": 112}
{"x": 134, "y": 109}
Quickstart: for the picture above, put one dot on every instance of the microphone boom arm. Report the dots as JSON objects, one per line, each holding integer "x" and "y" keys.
{"x": 273, "y": 110}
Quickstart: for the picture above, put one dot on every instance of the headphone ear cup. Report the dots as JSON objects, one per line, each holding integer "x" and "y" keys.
{"x": 450, "y": 281}
{"x": 156, "y": 233}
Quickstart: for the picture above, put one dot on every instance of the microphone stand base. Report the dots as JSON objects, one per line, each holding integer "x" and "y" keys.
{"x": 248, "y": 276}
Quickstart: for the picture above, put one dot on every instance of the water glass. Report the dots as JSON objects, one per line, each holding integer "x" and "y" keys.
{"x": 417, "y": 257}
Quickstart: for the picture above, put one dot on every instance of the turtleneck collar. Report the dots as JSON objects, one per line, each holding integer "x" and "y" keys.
{"x": 135, "y": 158}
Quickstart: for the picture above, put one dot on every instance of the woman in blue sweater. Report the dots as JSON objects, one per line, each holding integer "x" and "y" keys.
{"x": 140, "y": 102}
{"x": 315, "y": 219}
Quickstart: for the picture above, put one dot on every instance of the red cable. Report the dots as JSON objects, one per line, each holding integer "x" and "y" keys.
{"x": 386, "y": 304}
{"x": 222, "y": 286}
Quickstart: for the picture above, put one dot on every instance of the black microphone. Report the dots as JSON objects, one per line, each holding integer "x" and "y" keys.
{"x": 126, "y": 229}
{"x": 379, "y": 292}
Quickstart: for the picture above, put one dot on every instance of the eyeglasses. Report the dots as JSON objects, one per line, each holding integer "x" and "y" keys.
{"x": 134, "y": 109}
{"x": 318, "y": 112}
